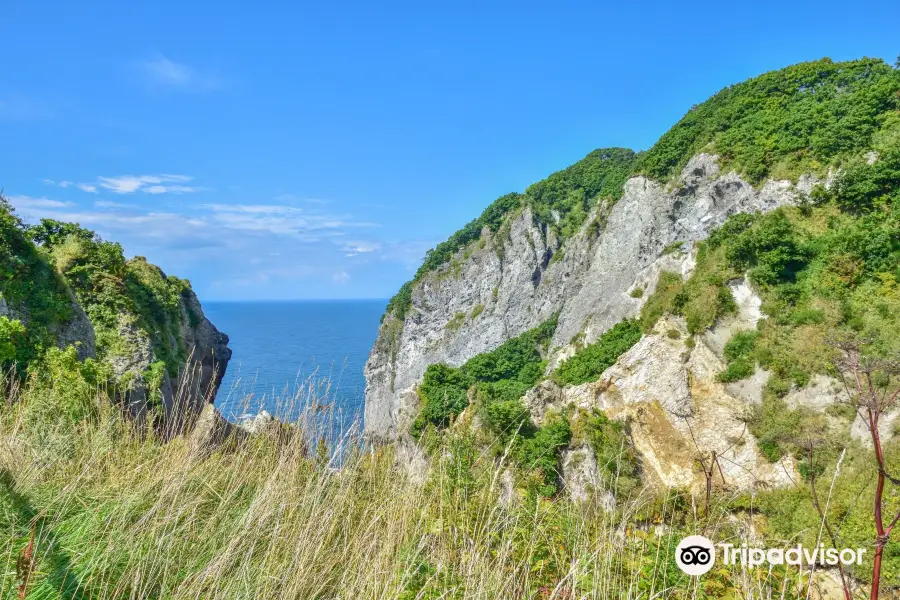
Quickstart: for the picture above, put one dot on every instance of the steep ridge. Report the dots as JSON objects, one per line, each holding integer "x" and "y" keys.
{"x": 589, "y": 247}
{"x": 589, "y": 286}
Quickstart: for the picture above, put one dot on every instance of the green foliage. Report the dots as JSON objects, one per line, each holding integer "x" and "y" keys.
{"x": 443, "y": 392}
{"x": 456, "y": 321}
{"x": 572, "y": 192}
{"x": 616, "y": 456}
{"x": 506, "y": 372}
{"x": 518, "y": 359}
{"x": 739, "y": 355}
{"x": 42, "y": 265}
{"x": 773, "y": 424}
{"x": 667, "y": 288}
{"x": 13, "y": 340}
{"x": 799, "y": 118}
{"x": 400, "y": 303}
{"x": 492, "y": 217}
{"x": 154, "y": 378}
{"x": 637, "y": 292}
{"x": 50, "y": 233}
{"x": 67, "y": 388}
{"x": 862, "y": 187}
{"x": 539, "y": 455}
{"x": 770, "y": 248}
{"x": 673, "y": 248}
{"x": 589, "y": 363}
{"x": 479, "y": 308}
{"x": 30, "y": 285}
{"x": 500, "y": 378}
{"x": 111, "y": 288}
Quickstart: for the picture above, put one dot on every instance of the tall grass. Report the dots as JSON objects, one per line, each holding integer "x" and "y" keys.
{"x": 109, "y": 513}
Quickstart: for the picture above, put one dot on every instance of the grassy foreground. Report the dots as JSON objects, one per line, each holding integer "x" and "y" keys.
{"x": 88, "y": 509}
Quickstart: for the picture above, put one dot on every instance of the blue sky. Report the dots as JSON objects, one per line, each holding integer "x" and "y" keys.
{"x": 316, "y": 150}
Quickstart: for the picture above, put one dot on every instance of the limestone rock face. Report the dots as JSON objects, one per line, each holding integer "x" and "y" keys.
{"x": 581, "y": 477}
{"x": 514, "y": 279}
{"x": 678, "y": 412}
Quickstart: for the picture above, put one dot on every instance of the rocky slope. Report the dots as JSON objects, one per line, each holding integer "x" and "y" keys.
{"x": 486, "y": 296}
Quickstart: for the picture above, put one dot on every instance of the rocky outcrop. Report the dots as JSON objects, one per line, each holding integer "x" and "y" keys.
{"x": 514, "y": 279}
{"x": 184, "y": 395}
{"x": 678, "y": 413}
{"x": 208, "y": 355}
{"x": 212, "y": 432}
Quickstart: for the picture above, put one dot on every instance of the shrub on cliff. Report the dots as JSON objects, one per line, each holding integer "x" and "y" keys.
{"x": 509, "y": 370}
{"x": 589, "y": 363}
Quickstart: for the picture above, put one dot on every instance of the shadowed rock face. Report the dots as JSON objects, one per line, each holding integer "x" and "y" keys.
{"x": 490, "y": 296}
{"x": 208, "y": 354}
{"x": 184, "y": 396}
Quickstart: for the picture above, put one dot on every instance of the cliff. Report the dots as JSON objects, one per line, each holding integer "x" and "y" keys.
{"x": 63, "y": 286}
{"x": 589, "y": 283}
{"x": 589, "y": 247}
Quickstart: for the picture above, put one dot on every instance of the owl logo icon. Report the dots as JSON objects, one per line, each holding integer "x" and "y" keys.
{"x": 695, "y": 555}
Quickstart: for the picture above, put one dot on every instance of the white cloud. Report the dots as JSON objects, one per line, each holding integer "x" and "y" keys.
{"x": 28, "y": 202}
{"x": 356, "y": 248}
{"x": 163, "y": 72}
{"x": 84, "y": 187}
{"x": 340, "y": 277}
{"x": 282, "y": 220}
{"x": 150, "y": 184}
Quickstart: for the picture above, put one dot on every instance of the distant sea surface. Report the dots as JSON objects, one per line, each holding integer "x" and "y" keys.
{"x": 279, "y": 347}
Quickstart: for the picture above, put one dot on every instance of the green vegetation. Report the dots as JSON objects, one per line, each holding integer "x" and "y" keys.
{"x": 456, "y": 322}
{"x": 798, "y": 119}
{"x": 572, "y": 192}
{"x": 589, "y": 363}
{"x": 30, "y": 287}
{"x": 515, "y": 365}
{"x": 115, "y": 292}
{"x": 739, "y": 356}
{"x": 13, "y": 341}
{"x": 46, "y": 266}
{"x": 801, "y": 119}
{"x": 616, "y": 457}
{"x": 496, "y": 381}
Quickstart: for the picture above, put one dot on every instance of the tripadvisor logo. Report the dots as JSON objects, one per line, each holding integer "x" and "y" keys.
{"x": 695, "y": 555}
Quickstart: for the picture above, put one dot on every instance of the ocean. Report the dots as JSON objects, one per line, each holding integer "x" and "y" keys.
{"x": 283, "y": 349}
